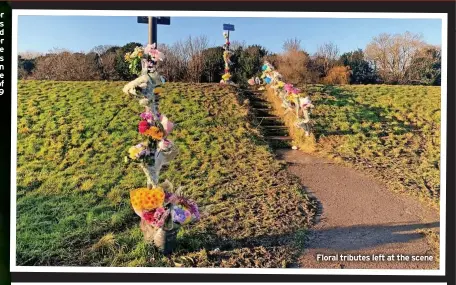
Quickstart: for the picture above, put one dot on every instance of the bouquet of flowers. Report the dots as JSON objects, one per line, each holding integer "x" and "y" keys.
{"x": 161, "y": 208}
{"x": 134, "y": 60}
{"x": 161, "y": 211}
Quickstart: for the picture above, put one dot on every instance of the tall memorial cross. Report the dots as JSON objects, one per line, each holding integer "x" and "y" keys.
{"x": 153, "y": 22}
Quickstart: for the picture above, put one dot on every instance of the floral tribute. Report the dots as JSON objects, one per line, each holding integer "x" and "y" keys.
{"x": 157, "y": 206}
{"x": 292, "y": 97}
{"x": 226, "y": 77}
{"x": 161, "y": 208}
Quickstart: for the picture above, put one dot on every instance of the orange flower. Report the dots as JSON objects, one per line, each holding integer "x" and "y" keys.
{"x": 154, "y": 132}
{"x": 144, "y": 199}
{"x": 158, "y": 90}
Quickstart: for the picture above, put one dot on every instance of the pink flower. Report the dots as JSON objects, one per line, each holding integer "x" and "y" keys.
{"x": 288, "y": 87}
{"x": 143, "y": 126}
{"x": 147, "y": 116}
{"x": 167, "y": 125}
{"x": 149, "y": 216}
{"x": 149, "y": 48}
{"x": 160, "y": 216}
{"x": 154, "y": 52}
{"x": 164, "y": 144}
{"x": 295, "y": 91}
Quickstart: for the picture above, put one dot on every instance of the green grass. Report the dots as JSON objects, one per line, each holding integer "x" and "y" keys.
{"x": 391, "y": 131}
{"x": 73, "y": 187}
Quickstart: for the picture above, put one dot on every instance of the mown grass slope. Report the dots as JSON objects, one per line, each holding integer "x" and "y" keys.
{"x": 73, "y": 187}
{"x": 391, "y": 131}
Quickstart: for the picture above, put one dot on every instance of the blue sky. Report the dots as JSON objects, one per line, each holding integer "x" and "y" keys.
{"x": 81, "y": 33}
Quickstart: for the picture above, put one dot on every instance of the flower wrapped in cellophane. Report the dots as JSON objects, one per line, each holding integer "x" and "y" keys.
{"x": 134, "y": 60}
{"x": 160, "y": 207}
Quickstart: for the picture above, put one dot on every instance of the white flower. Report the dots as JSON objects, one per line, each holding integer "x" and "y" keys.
{"x": 144, "y": 102}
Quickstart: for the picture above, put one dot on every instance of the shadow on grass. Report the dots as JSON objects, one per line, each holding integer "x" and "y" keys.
{"x": 357, "y": 114}
{"x": 357, "y": 237}
{"x": 361, "y": 237}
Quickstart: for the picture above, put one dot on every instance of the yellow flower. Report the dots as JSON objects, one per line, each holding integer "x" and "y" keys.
{"x": 134, "y": 151}
{"x": 188, "y": 218}
{"x": 147, "y": 199}
{"x": 280, "y": 83}
{"x": 127, "y": 56}
{"x": 140, "y": 54}
{"x": 226, "y": 76}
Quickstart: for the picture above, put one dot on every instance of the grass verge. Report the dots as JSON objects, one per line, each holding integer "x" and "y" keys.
{"x": 73, "y": 189}
{"x": 391, "y": 132}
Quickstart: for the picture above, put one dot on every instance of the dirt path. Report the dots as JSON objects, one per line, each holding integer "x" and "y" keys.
{"x": 359, "y": 216}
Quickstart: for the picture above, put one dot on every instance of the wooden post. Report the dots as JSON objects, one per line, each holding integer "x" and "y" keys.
{"x": 153, "y": 22}
{"x": 152, "y": 30}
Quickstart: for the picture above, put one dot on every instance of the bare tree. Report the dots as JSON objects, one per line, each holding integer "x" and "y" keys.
{"x": 30, "y": 54}
{"x": 184, "y": 59}
{"x": 234, "y": 45}
{"x": 392, "y": 54}
{"x": 173, "y": 67}
{"x": 101, "y": 49}
{"x": 292, "y": 63}
{"x": 292, "y": 45}
{"x": 67, "y": 66}
{"x": 108, "y": 66}
{"x": 329, "y": 52}
{"x": 194, "y": 48}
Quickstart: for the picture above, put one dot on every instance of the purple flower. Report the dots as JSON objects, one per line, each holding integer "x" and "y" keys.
{"x": 144, "y": 152}
{"x": 148, "y": 116}
{"x": 170, "y": 198}
{"x": 178, "y": 215}
{"x": 194, "y": 210}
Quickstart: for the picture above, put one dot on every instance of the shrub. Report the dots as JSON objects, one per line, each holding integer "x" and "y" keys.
{"x": 67, "y": 66}
{"x": 338, "y": 75}
{"x": 293, "y": 66}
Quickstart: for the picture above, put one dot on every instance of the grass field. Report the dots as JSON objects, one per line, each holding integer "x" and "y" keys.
{"x": 73, "y": 187}
{"x": 391, "y": 131}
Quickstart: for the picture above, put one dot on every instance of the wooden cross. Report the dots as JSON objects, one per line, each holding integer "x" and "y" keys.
{"x": 153, "y": 22}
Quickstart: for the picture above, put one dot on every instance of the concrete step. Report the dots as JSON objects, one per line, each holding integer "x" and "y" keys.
{"x": 275, "y": 127}
{"x": 268, "y": 118}
{"x": 262, "y": 109}
{"x": 279, "y": 138}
